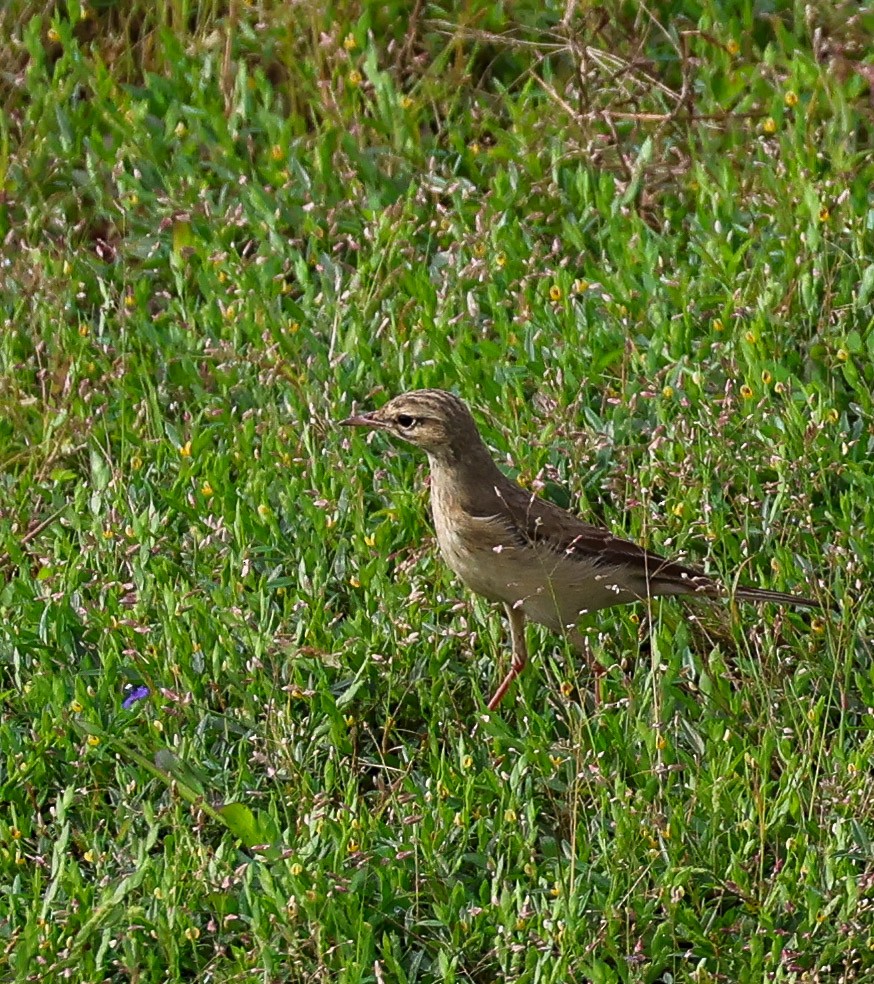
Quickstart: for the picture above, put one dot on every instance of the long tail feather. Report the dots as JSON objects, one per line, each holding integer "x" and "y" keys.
{"x": 778, "y": 597}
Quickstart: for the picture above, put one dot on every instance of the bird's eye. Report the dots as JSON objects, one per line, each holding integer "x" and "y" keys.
{"x": 406, "y": 421}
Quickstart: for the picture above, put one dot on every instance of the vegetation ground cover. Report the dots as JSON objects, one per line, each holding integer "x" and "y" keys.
{"x": 637, "y": 238}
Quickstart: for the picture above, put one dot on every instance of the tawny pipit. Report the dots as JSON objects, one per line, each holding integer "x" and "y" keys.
{"x": 511, "y": 546}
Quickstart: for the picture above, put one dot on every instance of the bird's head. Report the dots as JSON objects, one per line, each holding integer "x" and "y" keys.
{"x": 431, "y": 419}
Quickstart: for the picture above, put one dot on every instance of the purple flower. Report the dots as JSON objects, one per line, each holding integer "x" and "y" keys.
{"x": 135, "y": 694}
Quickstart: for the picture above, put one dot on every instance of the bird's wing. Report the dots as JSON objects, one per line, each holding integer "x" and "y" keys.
{"x": 536, "y": 521}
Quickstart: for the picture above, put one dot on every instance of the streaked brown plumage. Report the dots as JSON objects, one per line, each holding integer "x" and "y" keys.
{"x": 511, "y": 546}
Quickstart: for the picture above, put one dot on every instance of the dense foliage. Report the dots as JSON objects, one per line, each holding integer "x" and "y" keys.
{"x": 639, "y": 240}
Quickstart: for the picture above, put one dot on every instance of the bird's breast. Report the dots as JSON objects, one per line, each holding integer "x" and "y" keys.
{"x": 552, "y": 587}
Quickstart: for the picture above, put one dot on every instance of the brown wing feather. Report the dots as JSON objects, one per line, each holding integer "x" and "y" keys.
{"x": 537, "y": 521}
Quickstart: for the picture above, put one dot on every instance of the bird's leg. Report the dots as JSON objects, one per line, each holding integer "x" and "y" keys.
{"x": 520, "y": 653}
{"x": 581, "y": 644}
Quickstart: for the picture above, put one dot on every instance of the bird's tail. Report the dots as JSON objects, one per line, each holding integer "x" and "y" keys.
{"x": 777, "y": 597}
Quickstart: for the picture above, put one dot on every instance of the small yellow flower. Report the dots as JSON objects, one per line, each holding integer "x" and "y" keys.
{"x": 75, "y": 707}
{"x": 555, "y": 293}
{"x": 555, "y": 891}
{"x": 136, "y": 463}
{"x": 296, "y": 869}
{"x": 766, "y": 377}
{"x": 276, "y": 152}
{"x": 84, "y": 331}
{"x": 352, "y": 847}
{"x": 206, "y": 490}
{"x": 567, "y": 688}
{"x": 832, "y": 416}
{"x": 458, "y": 820}
{"x": 817, "y": 626}
{"x": 90, "y": 857}
{"x": 500, "y": 261}
{"x": 555, "y": 761}
{"x": 479, "y": 250}
{"x": 158, "y": 725}
{"x": 54, "y": 37}
{"x": 842, "y": 355}
{"x": 229, "y": 313}
{"x": 510, "y": 816}
{"x": 349, "y": 720}
{"x": 474, "y": 148}
{"x": 732, "y": 47}
{"x": 661, "y": 743}
{"x": 157, "y": 893}
{"x": 467, "y": 762}
{"x": 192, "y": 933}
{"x": 294, "y": 327}
{"x": 180, "y": 129}
{"x": 717, "y": 325}
{"x": 349, "y": 42}
{"x": 791, "y": 99}
{"x": 634, "y": 618}
{"x": 580, "y": 286}
{"x": 679, "y": 509}
{"x": 370, "y": 540}
{"x": 668, "y": 392}
{"x": 133, "y": 199}
{"x": 185, "y": 450}
{"x": 407, "y": 102}
{"x": 130, "y": 301}
{"x": 751, "y": 338}
{"x": 746, "y": 392}
{"x": 775, "y": 565}
{"x": 93, "y": 740}
{"x": 354, "y": 582}
{"x": 824, "y": 214}
{"x": 108, "y": 533}
{"x": 769, "y": 125}
{"x": 264, "y": 510}
{"x": 355, "y": 78}
{"x": 15, "y": 833}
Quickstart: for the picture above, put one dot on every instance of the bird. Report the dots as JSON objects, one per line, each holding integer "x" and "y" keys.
{"x": 511, "y": 546}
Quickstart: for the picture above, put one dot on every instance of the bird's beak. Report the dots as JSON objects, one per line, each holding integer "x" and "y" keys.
{"x": 363, "y": 420}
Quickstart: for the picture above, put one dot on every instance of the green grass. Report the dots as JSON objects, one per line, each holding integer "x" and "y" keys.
{"x": 641, "y": 245}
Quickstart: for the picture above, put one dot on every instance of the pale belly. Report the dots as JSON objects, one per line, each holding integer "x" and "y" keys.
{"x": 554, "y": 589}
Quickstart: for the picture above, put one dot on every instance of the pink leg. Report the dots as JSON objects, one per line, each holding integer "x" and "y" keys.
{"x": 581, "y": 644}
{"x": 520, "y": 654}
